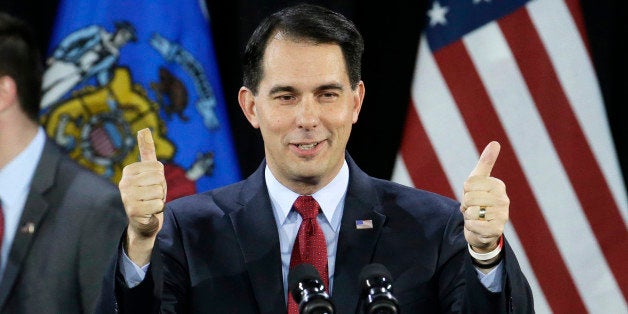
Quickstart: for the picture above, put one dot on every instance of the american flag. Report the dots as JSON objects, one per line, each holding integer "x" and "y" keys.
{"x": 519, "y": 72}
{"x": 364, "y": 224}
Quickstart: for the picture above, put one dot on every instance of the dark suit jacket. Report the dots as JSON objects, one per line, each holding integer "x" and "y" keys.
{"x": 219, "y": 253}
{"x": 67, "y": 233}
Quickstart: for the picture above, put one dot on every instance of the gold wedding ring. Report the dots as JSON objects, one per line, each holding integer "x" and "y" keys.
{"x": 482, "y": 213}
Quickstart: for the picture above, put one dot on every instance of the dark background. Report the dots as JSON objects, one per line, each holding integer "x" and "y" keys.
{"x": 391, "y": 31}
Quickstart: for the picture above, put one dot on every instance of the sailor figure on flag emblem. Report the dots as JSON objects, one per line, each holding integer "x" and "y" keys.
{"x": 88, "y": 52}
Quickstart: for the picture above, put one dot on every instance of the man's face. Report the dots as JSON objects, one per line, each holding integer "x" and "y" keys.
{"x": 305, "y": 109}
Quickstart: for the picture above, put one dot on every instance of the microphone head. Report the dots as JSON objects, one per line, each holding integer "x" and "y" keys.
{"x": 300, "y": 273}
{"x": 375, "y": 275}
{"x": 308, "y": 290}
{"x": 377, "y": 290}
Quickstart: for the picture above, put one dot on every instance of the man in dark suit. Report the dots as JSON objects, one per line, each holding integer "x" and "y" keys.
{"x": 58, "y": 220}
{"x": 231, "y": 249}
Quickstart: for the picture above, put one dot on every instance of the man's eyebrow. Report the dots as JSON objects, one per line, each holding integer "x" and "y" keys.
{"x": 291, "y": 89}
{"x": 335, "y": 86}
{"x": 281, "y": 88}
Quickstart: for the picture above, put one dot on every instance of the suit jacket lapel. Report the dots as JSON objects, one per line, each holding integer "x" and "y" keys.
{"x": 256, "y": 229}
{"x": 355, "y": 246}
{"x": 35, "y": 209}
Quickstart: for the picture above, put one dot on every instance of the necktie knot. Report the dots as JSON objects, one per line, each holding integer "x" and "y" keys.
{"x": 306, "y": 206}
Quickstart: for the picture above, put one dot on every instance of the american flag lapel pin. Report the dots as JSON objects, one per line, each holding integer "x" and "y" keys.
{"x": 364, "y": 224}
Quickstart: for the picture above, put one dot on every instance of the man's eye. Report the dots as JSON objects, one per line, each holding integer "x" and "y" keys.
{"x": 284, "y": 97}
{"x": 329, "y": 96}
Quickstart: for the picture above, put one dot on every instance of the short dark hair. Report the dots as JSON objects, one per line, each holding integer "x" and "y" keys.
{"x": 21, "y": 60}
{"x": 304, "y": 21}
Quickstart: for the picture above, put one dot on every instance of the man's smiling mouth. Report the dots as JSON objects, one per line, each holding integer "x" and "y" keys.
{"x": 307, "y": 146}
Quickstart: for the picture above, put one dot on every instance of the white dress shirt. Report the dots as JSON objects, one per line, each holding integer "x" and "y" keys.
{"x": 331, "y": 200}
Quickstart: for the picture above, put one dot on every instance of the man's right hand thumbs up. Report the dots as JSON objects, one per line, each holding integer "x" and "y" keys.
{"x": 143, "y": 190}
{"x": 146, "y": 145}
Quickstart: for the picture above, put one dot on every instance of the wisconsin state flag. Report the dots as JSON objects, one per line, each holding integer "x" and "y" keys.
{"x": 115, "y": 67}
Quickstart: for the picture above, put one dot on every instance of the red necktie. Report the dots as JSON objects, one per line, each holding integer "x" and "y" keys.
{"x": 310, "y": 246}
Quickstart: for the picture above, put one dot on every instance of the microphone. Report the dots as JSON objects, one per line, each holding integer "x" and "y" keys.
{"x": 377, "y": 294}
{"x": 308, "y": 290}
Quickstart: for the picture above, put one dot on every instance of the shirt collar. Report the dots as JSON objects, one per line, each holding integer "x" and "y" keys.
{"x": 328, "y": 197}
{"x": 16, "y": 176}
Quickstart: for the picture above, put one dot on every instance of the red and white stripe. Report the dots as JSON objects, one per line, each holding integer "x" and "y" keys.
{"x": 527, "y": 81}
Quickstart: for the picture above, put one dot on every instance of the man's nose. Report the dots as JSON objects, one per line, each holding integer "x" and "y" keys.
{"x": 308, "y": 113}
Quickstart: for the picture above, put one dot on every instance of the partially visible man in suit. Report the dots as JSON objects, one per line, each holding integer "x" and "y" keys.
{"x": 58, "y": 220}
{"x": 231, "y": 249}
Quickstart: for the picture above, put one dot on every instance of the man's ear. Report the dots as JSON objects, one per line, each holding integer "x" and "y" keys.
{"x": 247, "y": 104}
{"x": 358, "y": 98}
{"x": 8, "y": 92}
